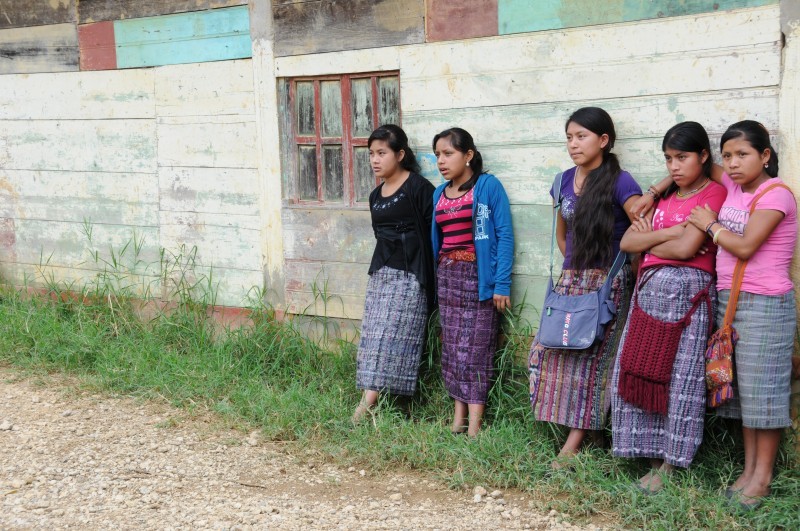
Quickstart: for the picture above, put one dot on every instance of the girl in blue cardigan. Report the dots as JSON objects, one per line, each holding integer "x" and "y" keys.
{"x": 473, "y": 246}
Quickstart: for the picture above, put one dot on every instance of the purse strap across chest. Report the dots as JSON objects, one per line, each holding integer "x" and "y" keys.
{"x": 619, "y": 261}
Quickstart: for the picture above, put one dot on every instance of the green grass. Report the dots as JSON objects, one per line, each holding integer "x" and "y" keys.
{"x": 272, "y": 376}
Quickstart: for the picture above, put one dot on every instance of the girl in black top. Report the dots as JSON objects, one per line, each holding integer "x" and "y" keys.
{"x": 400, "y": 289}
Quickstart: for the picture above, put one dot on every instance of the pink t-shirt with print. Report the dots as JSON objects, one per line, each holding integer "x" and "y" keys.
{"x": 767, "y": 271}
{"x": 673, "y": 211}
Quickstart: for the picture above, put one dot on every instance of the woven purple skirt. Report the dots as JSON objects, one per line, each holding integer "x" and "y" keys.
{"x": 469, "y": 332}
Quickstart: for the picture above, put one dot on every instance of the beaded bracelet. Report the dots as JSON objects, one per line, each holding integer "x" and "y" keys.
{"x": 716, "y": 234}
{"x": 652, "y": 191}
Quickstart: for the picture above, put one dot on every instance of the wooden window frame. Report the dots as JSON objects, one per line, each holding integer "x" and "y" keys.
{"x": 346, "y": 141}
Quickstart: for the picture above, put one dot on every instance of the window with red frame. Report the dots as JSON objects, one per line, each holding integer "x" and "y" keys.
{"x": 332, "y": 118}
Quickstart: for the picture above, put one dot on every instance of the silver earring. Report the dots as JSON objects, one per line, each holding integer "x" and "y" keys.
{"x": 766, "y": 164}
{"x": 468, "y": 164}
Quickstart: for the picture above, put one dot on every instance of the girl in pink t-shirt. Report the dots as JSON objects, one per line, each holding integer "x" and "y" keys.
{"x": 674, "y": 280}
{"x": 765, "y": 314}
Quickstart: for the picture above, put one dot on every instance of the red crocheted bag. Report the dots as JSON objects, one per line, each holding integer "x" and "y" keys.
{"x": 649, "y": 351}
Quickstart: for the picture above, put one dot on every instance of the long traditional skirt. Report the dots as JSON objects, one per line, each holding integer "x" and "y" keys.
{"x": 469, "y": 332}
{"x": 763, "y": 357}
{"x": 392, "y": 333}
{"x": 570, "y": 387}
{"x": 675, "y": 438}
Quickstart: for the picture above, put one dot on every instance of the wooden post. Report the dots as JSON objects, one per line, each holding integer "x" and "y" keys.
{"x": 269, "y": 169}
{"x": 790, "y": 140}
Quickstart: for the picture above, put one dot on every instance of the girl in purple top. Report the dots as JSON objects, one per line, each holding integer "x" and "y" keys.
{"x": 568, "y": 387}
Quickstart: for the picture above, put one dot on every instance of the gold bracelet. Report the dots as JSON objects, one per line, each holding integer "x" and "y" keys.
{"x": 716, "y": 234}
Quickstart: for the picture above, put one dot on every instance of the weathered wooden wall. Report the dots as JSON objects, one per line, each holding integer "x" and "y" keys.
{"x": 167, "y": 154}
{"x": 99, "y": 10}
{"x": 17, "y": 14}
{"x": 789, "y": 143}
{"x": 514, "y": 94}
{"x": 314, "y": 26}
{"x": 201, "y": 140}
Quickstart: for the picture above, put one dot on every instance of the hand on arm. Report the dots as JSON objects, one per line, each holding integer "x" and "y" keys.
{"x": 644, "y": 203}
{"x": 759, "y": 227}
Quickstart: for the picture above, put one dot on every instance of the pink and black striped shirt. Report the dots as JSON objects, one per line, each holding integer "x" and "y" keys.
{"x": 454, "y": 216}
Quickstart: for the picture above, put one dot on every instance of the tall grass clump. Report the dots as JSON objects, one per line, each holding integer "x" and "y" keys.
{"x": 144, "y": 329}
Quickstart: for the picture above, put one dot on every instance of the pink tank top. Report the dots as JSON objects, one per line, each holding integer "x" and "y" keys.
{"x": 454, "y": 216}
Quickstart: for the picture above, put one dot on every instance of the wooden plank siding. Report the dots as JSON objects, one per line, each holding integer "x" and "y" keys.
{"x": 98, "y": 46}
{"x": 460, "y": 19}
{"x": 518, "y": 16}
{"x": 165, "y": 154}
{"x": 207, "y": 171}
{"x": 514, "y": 94}
{"x": 214, "y": 35}
{"x": 100, "y": 10}
{"x": 52, "y": 48}
{"x": 314, "y": 26}
{"x": 19, "y": 14}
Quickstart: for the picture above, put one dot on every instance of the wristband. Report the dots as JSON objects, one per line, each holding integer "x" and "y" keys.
{"x": 708, "y": 228}
{"x": 716, "y": 234}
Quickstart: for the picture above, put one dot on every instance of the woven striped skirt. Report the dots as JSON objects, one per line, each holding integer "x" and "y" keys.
{"x": 675, "y": 438}
{"x": 569, "y": 387}
{"x": 469, "y": 332}
{"x": 763, "y": 359}
{"x": 392, "y": 333}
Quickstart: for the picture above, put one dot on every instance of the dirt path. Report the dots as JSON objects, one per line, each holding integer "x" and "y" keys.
{"x": 70, "y": 459}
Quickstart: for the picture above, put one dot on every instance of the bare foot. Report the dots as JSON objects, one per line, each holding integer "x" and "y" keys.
{"x": 652, "y": 482}
{"x": 739, "y": 484}
{"x": 564, "y": 461}
{"x": 358, "y": 416}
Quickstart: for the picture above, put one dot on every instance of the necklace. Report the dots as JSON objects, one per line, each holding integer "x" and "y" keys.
{"x": 577, "y": 189}
{"x": 679, "y": 194}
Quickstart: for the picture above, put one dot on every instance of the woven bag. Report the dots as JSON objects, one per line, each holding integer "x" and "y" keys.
{"x": 649, "y": 352}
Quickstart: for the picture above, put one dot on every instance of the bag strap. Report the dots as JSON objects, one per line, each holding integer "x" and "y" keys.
{"x": 738, "y": 271}
{"x": 699, "y": 297}
{"x": 557, "y": 198}
{"x": 619, "y": 260}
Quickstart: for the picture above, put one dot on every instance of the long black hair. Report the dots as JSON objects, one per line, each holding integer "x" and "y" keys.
{"x": 689, "y": 137}
{"x": 593, "y": 225}
{"x": 758, "y": 137}
{"x": 397, "y": 140}
{"x": 462, "y": 141}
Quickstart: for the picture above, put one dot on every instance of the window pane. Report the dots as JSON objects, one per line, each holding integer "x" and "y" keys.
{"x": 308, "y": 172}
{"x": 331, "y": 96}
{"x": 389, "y": 104}
{"x": 362, "y": 107}
{"x": 364, "y": 178}
{"x": 305, "y": 108}
{"x": 333, "y": 173}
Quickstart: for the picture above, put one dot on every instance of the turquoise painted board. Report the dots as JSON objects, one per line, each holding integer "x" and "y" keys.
{"x": 517, "y": 16}
{"x": 213, "y": 35}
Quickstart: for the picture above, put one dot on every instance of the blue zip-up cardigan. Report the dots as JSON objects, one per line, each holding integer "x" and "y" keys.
{"x": 492, "y": 232}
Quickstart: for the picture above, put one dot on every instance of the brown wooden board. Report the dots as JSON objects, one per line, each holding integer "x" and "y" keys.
{"x": 461, "y": 19}
{"x": 98, "y": 49}
{"x": 303, "y": 27}
{"x": 24, "y": 13}
{"x": 97, "y": 10}
{"x": 51, "y": 48}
